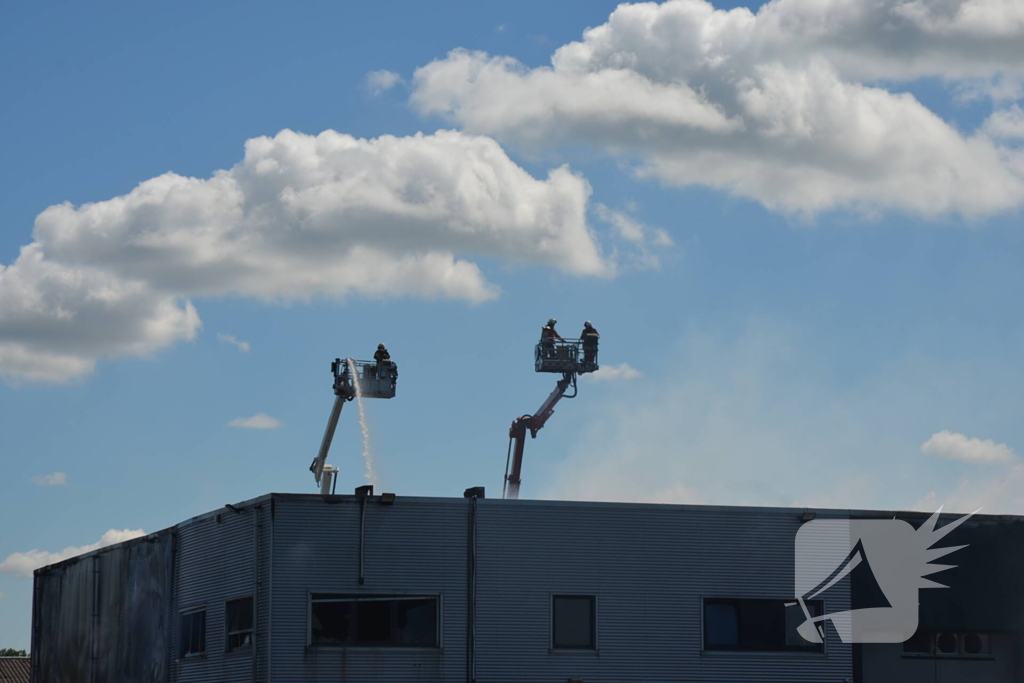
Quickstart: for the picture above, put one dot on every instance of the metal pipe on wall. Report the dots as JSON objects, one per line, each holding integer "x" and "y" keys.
{"x": 471, "y": 596}
{"x": 95, "y": 617}
{"x": 255, "y": 588}
{"x": 362, "y": 537}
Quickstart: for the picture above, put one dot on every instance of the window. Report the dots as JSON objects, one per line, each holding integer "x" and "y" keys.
{"x": 238, "y": 619}
{"x": 757, "y": 625}
{"x": 192, "y": 634}
{"x": 573, "y": 622}
{"x": 374, "y": 620}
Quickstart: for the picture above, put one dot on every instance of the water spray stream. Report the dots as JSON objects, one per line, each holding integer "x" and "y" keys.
{"x": 364, "y": 427}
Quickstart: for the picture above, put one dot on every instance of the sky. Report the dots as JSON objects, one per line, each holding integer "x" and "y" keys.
{"x": 797, "y": 227}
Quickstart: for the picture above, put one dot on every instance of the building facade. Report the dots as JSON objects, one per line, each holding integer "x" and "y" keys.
{"x": 290, "y": 587}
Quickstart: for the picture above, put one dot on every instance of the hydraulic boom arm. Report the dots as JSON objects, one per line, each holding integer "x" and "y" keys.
{"x": 343, "y": 391}
{"x": 532, "y": 423}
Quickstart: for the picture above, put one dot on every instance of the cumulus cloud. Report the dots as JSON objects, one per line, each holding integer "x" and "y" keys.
{"x": 300, "y": 216}
{"x": 614, "y": 372}
{"x": 230, "y": 339}
{"x": 257, "y": 421}
{"x": 23, "y": 564}
{"x": 55, "y": 479}
{"x": 381, "y": 81}
{"x": 783, "y": 106}
{"x": 1006, "y": 123}
{"x": 953, "y": 446}
{"x": 645, "y": 240}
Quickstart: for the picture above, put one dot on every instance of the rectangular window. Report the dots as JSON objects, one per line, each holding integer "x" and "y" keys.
{"x": 374, "y": 620}
{"x": 238, "y": 620}
{"x": 573, "y": 622}
{"x": 758, "y": 625}
{"x": 192, "y": 634}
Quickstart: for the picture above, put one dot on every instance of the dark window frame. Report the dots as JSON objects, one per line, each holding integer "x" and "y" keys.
{"x": 592, "y": 597}
{"x": 185, "y": 644}
{"x": 239, "y": 632}
{"x": 317, "y": 597}
{"x": 780, "y": 619}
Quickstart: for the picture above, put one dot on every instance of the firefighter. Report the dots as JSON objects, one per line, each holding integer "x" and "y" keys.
{"x": 383, "y": 359}
{"x": 589, "y": 336}
{"x": 548, "y": 335}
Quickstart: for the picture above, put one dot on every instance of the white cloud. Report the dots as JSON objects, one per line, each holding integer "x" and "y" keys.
{"x": 781, "y": 106}
{"x": 23, "y": 564}
{"x": 759, "y": 419}
{"x": 1003, "y": 494}
{"x": 300, "y": 216}
{"x": 381, "y": 81}
{"x": 230, "y": 339}
{"x": 257, "y": 421}
{"x": 1006, "y": 123}
{"x": 614, "y": 372}
{"x": 56, "y": 319}
{"x": 55, "y": 479}
{"x": 953, "y": 446}
{"x": 643, "y": 239}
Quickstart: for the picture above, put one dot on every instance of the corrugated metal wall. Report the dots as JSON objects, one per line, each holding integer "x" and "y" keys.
{"x": 650, "y": 567}
{"x": 103, "y": 618}
{"x": 215, "y": 562}
{"x": 415, "y": 546}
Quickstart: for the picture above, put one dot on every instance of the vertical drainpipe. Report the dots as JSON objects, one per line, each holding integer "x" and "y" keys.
{"x": 362, "y": 537}
{"x": 255, "y": 587}
{"x": 95, "y": 617}
{"x": 37, "y": 606}
{"x": 172, "y": 609}
{"x": 471, "y": 596}
{"x": 270, "y": 596}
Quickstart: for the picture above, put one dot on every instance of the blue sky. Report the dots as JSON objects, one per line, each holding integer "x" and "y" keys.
{"x": 833, "y": 319}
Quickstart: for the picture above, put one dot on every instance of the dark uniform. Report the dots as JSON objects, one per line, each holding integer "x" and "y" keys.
{"x": 548, "y": 335}
{"x": 589, "y": 336}
{"x": 383, "y": 359}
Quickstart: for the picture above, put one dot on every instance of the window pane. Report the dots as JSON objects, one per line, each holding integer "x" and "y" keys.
{"x": 373, "y": 622}
{"x": 573, "y": 622}
{"x": 761, "y": 626}
{"x": 721, "y": 627}
{"x": 416, "y": 623}
{"x": 238, "y": 621}
{"x": 202, "y": 632}
{"x": 757, "y": 625}
{"x": 239, "y": 615}
{"x": 794, "y": 618}
{"x": 332, "y": 623}
{"x": 192, "y": 634}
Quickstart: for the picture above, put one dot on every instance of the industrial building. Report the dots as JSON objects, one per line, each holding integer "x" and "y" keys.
{"x": 295, "y": 587}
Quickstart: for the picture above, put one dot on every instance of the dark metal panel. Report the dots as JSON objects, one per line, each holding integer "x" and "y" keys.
{"x": 215, "y": 562}
{"x": 650, "y": 567}
{"x": 414, "y": 546}
{"x": 103, "y": 617}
